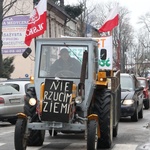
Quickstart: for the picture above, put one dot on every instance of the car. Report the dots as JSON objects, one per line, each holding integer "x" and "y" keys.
{"x": 146, "y": 97}
{"x": 20, "y": 84}
{"x": 131, "y": 97}
{"x": 11, "y": 103}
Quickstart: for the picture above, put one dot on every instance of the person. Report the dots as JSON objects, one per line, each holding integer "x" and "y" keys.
{"x": 65, "y": 65}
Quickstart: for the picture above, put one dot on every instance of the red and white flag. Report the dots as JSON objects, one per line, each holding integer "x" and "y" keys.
{"x": 111, "y": 20}
{"x": 37, "y": 22}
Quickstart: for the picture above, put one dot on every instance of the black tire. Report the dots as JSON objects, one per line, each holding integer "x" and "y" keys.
{"x": 20, "y": 139}
{"x": 92, "y": 137}
{"x": 140, "y": 115}
{"x": 115, "y": 131}
{"x": 146, "y": 104}
{"x": 12, "y": 121}
{"x": 135, "y": 116}
{"x": 103, "y": 108}
{"x": 36, "y": 137}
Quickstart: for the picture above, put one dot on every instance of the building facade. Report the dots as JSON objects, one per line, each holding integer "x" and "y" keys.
{"x": 59, "y": 24}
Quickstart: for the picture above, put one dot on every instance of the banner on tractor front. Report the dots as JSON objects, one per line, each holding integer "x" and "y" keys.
{"x": 57, "y": 99}
{"x": 105, "y": 52}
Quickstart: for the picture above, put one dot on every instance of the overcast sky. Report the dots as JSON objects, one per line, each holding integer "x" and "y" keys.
{"x": 136, "y": 7}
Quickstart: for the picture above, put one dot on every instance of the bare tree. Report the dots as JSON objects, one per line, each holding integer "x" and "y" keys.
{"x": 122, "y": 35}
{"x": 85, "y": 18}
{"x": 142, "y": 47}
{"x": 17, "y": 7}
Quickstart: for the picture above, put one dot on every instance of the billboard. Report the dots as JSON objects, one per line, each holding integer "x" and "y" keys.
{"x": 13, "y": 34}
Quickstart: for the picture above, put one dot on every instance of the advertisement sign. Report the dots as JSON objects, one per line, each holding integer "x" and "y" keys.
{"x": 57, "y": 100}
{"x": 105, "y": 52}
{"x": 13, "y": 34}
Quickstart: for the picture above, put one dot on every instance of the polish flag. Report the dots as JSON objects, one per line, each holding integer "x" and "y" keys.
{"x": 111, "y": 20}
{"x": 37, "y": 22}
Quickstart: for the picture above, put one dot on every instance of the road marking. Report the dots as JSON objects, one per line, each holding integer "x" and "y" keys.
{"x": 36, "y": 148}
{"x": 2, "y": 144}
{"x": 6, "y": 133}
{"x": 124, "y": 147}
{"x": 80, "y": 146}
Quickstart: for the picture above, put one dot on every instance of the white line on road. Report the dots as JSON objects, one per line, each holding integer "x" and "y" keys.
{"x": 35, "y": 148}
{"x": 2, "y": 144}
{"x": 6, "y": 132}
{"x": 124, "y": 147}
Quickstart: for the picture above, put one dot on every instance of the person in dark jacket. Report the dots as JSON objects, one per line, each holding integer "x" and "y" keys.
{"x": 65, "y": 65}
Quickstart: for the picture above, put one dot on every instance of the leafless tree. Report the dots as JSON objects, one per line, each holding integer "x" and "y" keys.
{"x": 142, "y": 49}
{"x": 85, "y": 18}
{"x": 122, "y": 35}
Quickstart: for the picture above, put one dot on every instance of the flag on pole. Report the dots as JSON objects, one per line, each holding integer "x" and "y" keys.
{"x": 111, "y": 20}
{"x": 37, "y": 22}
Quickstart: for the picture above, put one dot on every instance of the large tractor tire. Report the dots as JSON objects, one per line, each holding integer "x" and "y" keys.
{"x": 20, "y": 135}
{"x": 36, "y": 137}
{"x": 103, "y": 108}
{"x": 92, "y": 137}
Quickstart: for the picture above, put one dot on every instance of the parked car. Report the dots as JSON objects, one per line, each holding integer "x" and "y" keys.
{"x": 20, "y": 84}
{"x": 11, "y": 103}
{"x": 148, "y": 80}
{"x": 131, "y": 97}
{"x": 146, "y": 97}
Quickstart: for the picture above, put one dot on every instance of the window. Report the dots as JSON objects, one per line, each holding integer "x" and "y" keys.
{"x": 55, "y": 62}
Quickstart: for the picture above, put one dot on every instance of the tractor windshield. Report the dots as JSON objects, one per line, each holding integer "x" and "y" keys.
{"x": 61, "y": 61}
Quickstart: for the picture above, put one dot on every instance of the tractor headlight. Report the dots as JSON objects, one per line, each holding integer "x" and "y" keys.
{"x": 128, "y": 102}
{"x": 32, "y": 101}
{"x": 78, "y": 99}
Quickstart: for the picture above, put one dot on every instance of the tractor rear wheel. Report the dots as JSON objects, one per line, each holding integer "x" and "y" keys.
{"x": 20, "y": 135}
{"x": 103, "y": 108}
{"x": 92, "y": 137}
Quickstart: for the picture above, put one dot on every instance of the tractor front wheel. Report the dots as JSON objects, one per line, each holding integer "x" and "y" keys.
{"x": 20, "y": 136}
{"x": 92, "y": 137}
{"x": 36, "y": 137}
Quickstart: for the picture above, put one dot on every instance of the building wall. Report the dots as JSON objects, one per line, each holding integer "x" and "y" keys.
{"x": 56, "y": 27}
{"x": 22, "y": 66}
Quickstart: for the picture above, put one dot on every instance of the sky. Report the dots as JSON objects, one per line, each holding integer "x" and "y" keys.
{"x": 136, "y": 7}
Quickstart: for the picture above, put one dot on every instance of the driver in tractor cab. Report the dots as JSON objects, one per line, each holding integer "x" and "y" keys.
{"x": 65, "y": 64}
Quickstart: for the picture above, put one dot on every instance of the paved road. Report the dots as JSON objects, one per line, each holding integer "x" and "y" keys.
{"x": 131, "y": 136}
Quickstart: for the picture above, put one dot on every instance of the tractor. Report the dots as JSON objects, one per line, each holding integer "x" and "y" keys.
{"x": 70, "y": 100}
